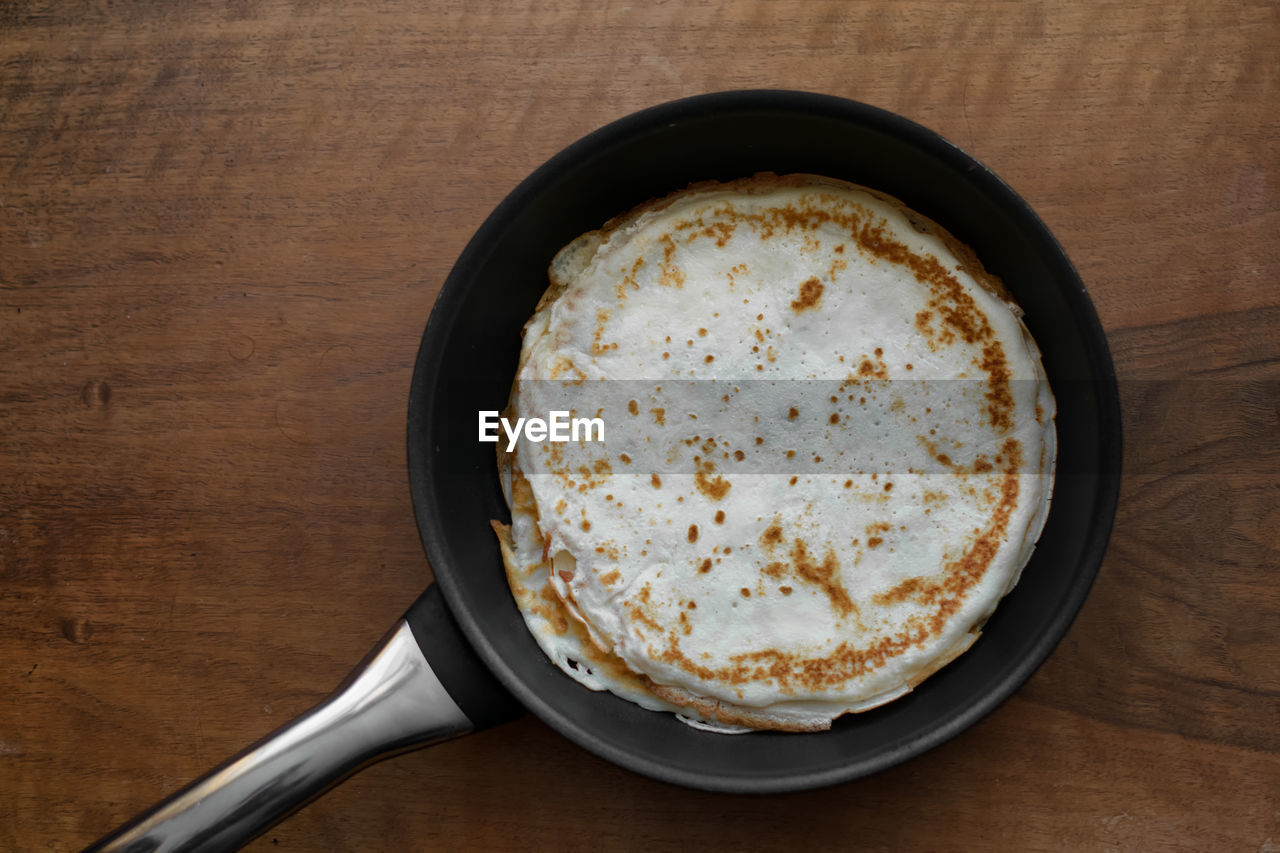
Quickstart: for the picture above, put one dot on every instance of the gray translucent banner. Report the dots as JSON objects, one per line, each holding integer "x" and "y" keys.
{"x": 897, "y": 426}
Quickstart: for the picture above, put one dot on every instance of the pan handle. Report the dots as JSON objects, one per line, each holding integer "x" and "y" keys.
{"x": 422, "y": 684}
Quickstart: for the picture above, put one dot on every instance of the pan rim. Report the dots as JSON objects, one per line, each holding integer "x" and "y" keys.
{"x": 427, "y": 376}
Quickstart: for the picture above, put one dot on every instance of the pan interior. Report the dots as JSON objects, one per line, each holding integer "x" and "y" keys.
{"x": 468, "y": 358}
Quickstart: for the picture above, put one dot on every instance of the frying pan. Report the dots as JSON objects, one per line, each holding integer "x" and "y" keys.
{"x": 462, "y": 658}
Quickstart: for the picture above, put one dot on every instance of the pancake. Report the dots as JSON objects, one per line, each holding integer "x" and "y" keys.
{"x": 829, "y": 452}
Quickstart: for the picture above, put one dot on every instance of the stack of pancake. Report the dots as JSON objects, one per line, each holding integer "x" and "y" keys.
{"x": 828, "y": 454}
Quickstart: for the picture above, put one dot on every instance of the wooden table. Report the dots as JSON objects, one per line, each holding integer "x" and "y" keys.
{"x": 222, "y": 227}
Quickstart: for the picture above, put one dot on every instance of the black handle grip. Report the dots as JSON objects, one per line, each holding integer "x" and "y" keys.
{"x": 461, "y": 671}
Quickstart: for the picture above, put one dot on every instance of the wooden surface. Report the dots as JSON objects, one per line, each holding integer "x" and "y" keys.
{"x": 222, "y": 227}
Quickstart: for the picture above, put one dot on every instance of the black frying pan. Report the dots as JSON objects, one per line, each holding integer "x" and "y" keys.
{"x": 466, "y": 363}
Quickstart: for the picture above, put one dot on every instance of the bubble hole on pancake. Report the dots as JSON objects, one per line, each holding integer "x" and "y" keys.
{"x": 829, "y": 453}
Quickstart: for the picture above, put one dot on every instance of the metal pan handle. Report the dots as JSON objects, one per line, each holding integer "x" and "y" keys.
{"x": 421, "y": 685}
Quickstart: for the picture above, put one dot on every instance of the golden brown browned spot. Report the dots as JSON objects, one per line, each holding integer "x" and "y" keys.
{"x": 702, "y": 333}
{"x": 923, "y": 323}
{"x": 825, "y": 575}
{"x": 848, "y": 484}
{"x": 875, "y": 542}
{"x": 739, "y": 455}
{"x": 719, "y": 516}
{"x": 656, "y": 481}
{"x": 522, "y": 494}
{"x": 810, "y": 295}
{"x": 999, "y": 394}
{"x": 555, "y": 614}
{"x": 693, "y": 533}
{"x": 794, "y": 671}
{"x": 640, "y": 613}
{"x": 785, "y": 590}
{"x": 759, "y": 440}
{"x": 793, "y": 413}
{"x": 626, "y": 460}
{"x": 721, "y": 231}
{"x": 563, "y": 365}
{"x": 835, "y": 418}
{"x": 659, "y": 416}
{"x": 633, "y": 407}
{"x": 714, "y": 488}
{"x": 710, "y": 358}
{"x": 774, "y": 569}
{"x": 744, "y": 592}
{"x": 772, "y": 536}
{"x": 706, "y": 566}
{"x": 672, "y": 275}
{"x": 598, "y": 347}
{"x": 909, "y": 588}
{"x": 943, "y": 458}
{"x": 867, "y": 368}
{"x": 684, "y": 623}
{"x": 981, "y": 465}
{"x": 610, "y": 577}
{"x": 586, "y": 525}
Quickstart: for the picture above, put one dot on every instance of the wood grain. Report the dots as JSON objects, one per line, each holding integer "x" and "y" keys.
{"x": 222, "y": 228}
